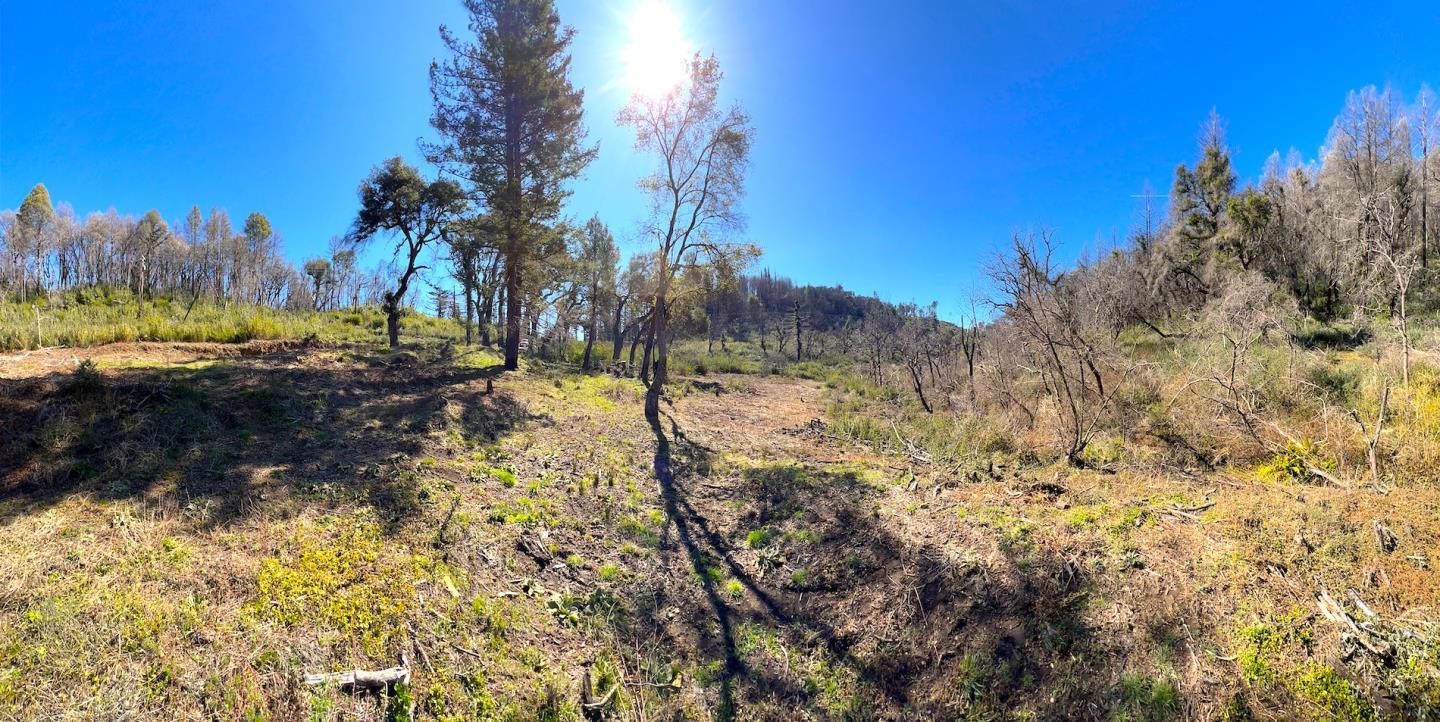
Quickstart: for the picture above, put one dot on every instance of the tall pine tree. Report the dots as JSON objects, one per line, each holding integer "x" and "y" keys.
{"x": 510, "y": 124}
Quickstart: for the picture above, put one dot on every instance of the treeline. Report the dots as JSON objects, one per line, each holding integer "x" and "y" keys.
{"x": 510, "y": 139}
{"x": 1346, "y": 239}
{"x": 1348, "y": 233}
{"x": 45, "y": 249}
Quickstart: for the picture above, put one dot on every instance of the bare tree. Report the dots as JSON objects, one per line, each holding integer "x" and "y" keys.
{"x": 1033, "y": 295}
{"x": 695, "y": 192}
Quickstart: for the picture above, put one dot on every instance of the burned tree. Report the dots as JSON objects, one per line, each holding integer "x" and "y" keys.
{"x": 1037, "y": 299}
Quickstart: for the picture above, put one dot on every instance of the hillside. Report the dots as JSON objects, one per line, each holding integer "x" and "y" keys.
{"x": 526, "y": 428}
{"x": 193, "y": 528}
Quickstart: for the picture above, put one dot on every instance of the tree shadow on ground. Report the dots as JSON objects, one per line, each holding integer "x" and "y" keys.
{"x": 217, "y": 440}
{"x": 881, "y": 627}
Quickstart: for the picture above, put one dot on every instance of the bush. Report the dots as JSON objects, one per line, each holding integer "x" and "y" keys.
{"x": 1338, "y": 383}
{"x": 1293, "y": 462}
{"x": 1336, "y": 336}
{"x": 86, "y": 379}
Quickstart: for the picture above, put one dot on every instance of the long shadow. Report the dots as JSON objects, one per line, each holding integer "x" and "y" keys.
{"x": 218, "y": 441}
{"x": 908, "y": 620}
{"x": 699, "y": 562}
{"x": 677, "y": 502}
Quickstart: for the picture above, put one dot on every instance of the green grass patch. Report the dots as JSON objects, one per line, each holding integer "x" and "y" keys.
{"x": 99, "y": 316}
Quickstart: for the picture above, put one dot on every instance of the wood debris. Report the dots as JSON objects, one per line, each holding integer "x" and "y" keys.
{"x": 1384, "y": 537}
{"x": 362, "y": 679}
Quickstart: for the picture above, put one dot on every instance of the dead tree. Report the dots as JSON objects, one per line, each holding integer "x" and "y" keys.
{"x": 1038, "y": 301}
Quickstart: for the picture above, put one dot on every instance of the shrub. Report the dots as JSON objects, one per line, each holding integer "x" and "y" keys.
{"x": 1338, "y": 383}
{"x": 1335, "y": 694}
{"x": 1293, "y": 462}
{"x": 86, "y": 379}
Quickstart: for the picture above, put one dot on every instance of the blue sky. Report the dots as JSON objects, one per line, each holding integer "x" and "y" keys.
{"x": 899, "y": 143}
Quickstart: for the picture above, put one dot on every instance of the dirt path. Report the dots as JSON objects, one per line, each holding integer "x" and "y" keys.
{"x": 760, "y": 420}
{"x": 822, "y": 553}
{"x": 24, "y": 364}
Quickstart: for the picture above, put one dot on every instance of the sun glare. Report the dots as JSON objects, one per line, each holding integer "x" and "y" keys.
{"x": 657, "y": 52}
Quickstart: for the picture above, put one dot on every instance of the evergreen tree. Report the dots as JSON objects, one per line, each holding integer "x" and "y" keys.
{"x": 150, "y": 232}
{"x": 321, "y": 274}
{"x": 599, "y": 262}
{"x": 510, "y": 123}
{"x": 1199, "y": 201}
{"x": 32, "y": 221}
{"x": 1203, "y": 196}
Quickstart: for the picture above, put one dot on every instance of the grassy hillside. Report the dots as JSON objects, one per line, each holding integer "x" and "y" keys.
{"x": 189, "y": 533}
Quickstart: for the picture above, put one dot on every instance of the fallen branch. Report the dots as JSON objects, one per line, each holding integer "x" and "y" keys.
{"x": 1196, "y": 508}
{"x": 603, "y": 701}
{"x": 915, "y": 453}
{"x": 1187, "y": 512}
{"x": 1309, "y": 467}
{"x": 587, "y": 693}
{"x": 1372, "y": 442}
{"x": 1361, "y": 633}
{"x": 1183, "y": 514}
{"x": 364, "y": 679}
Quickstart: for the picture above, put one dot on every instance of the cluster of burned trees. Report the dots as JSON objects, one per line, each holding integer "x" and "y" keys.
{"x": 784, "y": 320}
{"x": 1345, "y": 237}
{"x": 45, "y": 248}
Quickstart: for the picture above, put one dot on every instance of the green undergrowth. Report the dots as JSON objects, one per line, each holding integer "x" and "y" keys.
{"x": 347, "y": 581}
{"x": 100, "y": 316}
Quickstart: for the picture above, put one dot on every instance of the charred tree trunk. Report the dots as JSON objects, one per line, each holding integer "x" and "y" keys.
{"x": 617, "y": 330}
{"x": 591, "y": 329}
{"x": 660, "y": 344}
{"x": 469, "y": 314}
{"x": 513, "y": 319}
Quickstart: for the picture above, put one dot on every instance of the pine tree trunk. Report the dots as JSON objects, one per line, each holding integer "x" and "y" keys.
{"x": 487, "y": 317}
{"x": 469, "y": 313}
{"x": 514, "y": 326}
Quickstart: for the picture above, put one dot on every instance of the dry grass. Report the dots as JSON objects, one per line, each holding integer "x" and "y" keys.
{"x": 189, "y": 538}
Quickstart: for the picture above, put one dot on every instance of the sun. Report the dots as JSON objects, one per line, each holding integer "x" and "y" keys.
{"x": 657, "y": 53}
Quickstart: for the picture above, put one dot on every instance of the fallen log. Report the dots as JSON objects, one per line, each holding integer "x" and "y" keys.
{"x": 363, "y": 679}
{"x": 1362, "y": 632}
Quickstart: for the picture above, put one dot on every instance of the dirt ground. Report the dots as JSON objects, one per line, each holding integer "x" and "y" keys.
{"x": 29, "y": 364}
{"x": 524, "y": 535}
